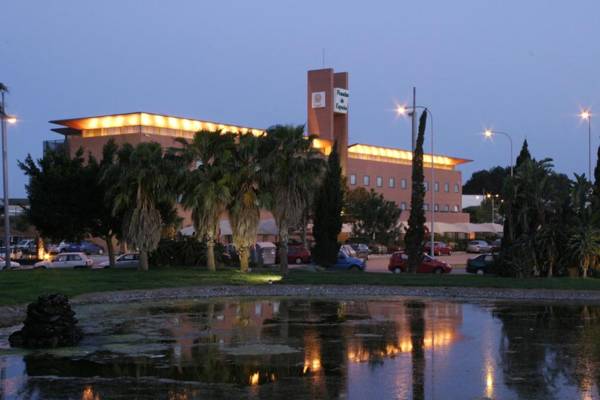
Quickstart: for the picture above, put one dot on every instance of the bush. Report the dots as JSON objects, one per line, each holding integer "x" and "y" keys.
{"x": 188, "y": 252}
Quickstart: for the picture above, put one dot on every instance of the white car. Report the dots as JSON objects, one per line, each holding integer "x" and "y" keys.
{"x": 67, "y": 260}
{"x": 13, "y": 264}
{"x": 478, "y": 246}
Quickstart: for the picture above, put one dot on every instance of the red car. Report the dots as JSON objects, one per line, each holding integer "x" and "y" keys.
{"x": 298, "y": 254}
{"x": 399, "y": 263}
{"x": 439, "y": 249}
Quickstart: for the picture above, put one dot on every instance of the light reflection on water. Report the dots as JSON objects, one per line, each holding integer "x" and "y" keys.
{"x": 299, "y": 349}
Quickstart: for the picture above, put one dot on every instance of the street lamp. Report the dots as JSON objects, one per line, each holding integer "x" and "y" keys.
{"x": 586, "y": 115}
{"x": 489, "y": 134}
{"x": 410, "y": 111}
{"x": 4, "y": 119}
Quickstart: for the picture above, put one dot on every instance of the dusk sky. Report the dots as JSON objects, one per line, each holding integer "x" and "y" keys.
{"x": 525, "y": 67}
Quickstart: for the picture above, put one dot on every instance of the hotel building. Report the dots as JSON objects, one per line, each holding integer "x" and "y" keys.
{"x": 386, "y": 170}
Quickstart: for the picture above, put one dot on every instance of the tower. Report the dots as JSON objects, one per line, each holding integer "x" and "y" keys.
{"x": 327, "y": 108}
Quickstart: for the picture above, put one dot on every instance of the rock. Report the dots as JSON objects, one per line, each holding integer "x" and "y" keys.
{"x": 50, "y": 323}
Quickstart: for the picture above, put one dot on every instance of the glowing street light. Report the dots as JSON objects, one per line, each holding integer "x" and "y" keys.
{"x": 586, "y": 115}
{"x": 489, "y": 134}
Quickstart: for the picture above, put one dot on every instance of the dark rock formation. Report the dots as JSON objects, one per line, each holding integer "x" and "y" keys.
{"x": 50, "y": 322}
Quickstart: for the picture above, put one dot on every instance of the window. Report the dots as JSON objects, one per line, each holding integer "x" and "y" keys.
{"x": 436, "y": 186}
{"x": 403, "y": 206}
{"x": 379, "y": 181}
{"x": 456, "y": 188}
{"x": 353, "y": 179}
{"x": 392, "y": 182}
{"x": 446, "y": 208}
{"x": 436, "y": 207}
{"x": 446, "y": 187}
{"x": 455, "y": 208}
{"x": 74, "y": 257}
{"x": 426, "y": 207}
{"x": 426, "y": 185}
{"x": 366, "y": 180}
{"x": 403, "y": 183}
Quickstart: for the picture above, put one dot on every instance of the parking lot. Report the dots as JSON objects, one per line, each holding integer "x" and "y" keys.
{"x": 458, "y": 260}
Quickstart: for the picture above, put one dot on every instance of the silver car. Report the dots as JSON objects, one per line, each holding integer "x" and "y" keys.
{"x": 127, "y": 260}
{"x": 478, "y": 246}
{"x": 67, "y": 260}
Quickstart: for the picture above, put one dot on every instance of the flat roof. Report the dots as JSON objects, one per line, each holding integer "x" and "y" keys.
{"x": 360, "y": 150}
{"x": 151, "y": 119}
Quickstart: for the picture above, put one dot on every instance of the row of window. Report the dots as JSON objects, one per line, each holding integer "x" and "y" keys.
{"x": 403, "y": 183}
{"x": 445, "y": 207}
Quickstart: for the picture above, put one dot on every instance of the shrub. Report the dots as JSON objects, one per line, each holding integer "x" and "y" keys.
{"x": 188, "y": 252}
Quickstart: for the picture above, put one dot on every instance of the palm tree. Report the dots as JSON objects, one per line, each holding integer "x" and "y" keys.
{"x": 244, "y": 207}
{"x": 143, "y": 187}
{"x": 292, "y": 170}
{"x": 584, "y": 247}
{"x": 207, "y": 187}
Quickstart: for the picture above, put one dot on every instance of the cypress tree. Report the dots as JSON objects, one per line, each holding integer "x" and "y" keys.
{"x": 416, "y": 230}
{"x": 328, "y": 212}
{"x": 596, "y": 191}
{"x": 523, "y": 155}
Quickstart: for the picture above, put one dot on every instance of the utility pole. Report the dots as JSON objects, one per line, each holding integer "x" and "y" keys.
{"x": 414, "y": 119}
{"x": 3, "y": 117}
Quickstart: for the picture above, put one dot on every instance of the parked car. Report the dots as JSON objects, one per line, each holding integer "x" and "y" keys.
{"x": 346, "y": 262}
{"x": 82, "y": 247}
{"x": 361, "y": 249}
{"x": 482, "y": 264}
{"x": 13, "y": 264}
{"x": 264, "y": 253}
{"x": 496, "y": 244}
{"x": 67, "y": 260}
{"x": 377, "y": 249}
{"x": 399, "y": 263}
{"x": 127, "y": 260}
{"x": 348, "y": 250}
{"x": 15, "y": 254}
{"x": 298, "y": 254}
{"x": 28, "y": 246}
{"x": 478, "y": 246}
{"x": 439, "y": 249}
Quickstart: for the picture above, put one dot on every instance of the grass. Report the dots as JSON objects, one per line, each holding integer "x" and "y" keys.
{"x": 18, "y": 287}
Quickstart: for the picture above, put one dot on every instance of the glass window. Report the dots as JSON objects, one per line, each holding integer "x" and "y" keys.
{"x": 392, "y": 182}
{"x": 436, "y": 186}
{"x": 446, "y": 208}
{"x": 426, "y": 184}
{"x": 403, "y": 183}
{"x": 403, "y": 205}
{"x": 446, "y": 187}
{"x": 455, "y": 208}
{"x": 436, "y": 207}
{"x": 379, "y": 181}
{"x": 426, "y": 207}
{"x": 456, "y": 188}
{"x": 366, "y": 180}
{"x": 353, "y": 179}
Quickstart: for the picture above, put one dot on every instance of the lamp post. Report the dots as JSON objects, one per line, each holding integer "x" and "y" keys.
{"x": 488, "y": 133}
{"x": 4, "y": 118}
{"x": 587, "y": 115}
{"x": 403, "y": 110}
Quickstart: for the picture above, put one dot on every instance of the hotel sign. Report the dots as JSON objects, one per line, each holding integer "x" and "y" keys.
{"x": 340, "y": 101}
{"x": 318, "y": 100}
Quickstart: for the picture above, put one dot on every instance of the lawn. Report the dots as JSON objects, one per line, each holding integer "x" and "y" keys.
{"x": 17, "y": 287}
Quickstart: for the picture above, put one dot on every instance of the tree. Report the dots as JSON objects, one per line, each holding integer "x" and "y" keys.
{"x": 373, "y": 216}
{"x": 244, "y": 207}
{"x": 584, "y": 245}
{"x": 415, "y": 233}
{"x": 328, "y": 212}
{"x": 207, "y": 188}
{"x": 523, "y": 154}
{"x": 143, "y": 187}
{"x": 61, "y": 192}
{"x": 596, "y": 191}
{"x": 292, "y": 167}
{"x": 487, "y": 181}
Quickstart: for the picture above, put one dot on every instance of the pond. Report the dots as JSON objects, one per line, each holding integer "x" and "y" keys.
{"x": 311, "y": 349}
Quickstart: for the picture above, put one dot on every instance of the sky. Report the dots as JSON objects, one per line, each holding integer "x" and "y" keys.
{"x": 524, "y": 67}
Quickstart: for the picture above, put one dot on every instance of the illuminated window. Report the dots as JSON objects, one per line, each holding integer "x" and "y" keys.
{"x": 403, "y": 205}
{"x": 392, "y": 182}
{"x": 426, "y": 207}
{"x": 446, "y": 187}
{"x": 379, "y": 181}
{"x": 403, "y": 184}
{"x": 353, "y": 179}
{"x": 456, "y": 188}
{"x": 366, "y": 180}
{"x": 436, "y": 207}
{"x": 426, "y": 185}
{"x": 436, "y": 186}
{"x": 455, "y": 208}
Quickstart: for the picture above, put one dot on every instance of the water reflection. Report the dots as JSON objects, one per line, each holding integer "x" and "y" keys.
{"x": 316, "y": 349}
